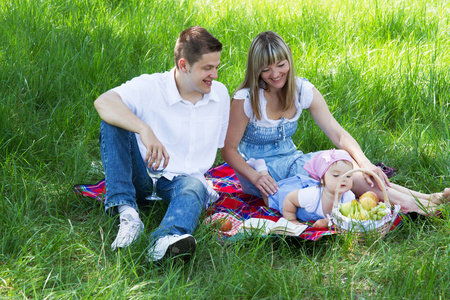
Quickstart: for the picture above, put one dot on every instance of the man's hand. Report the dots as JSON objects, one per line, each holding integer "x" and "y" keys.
{"x": 156, "y": 152}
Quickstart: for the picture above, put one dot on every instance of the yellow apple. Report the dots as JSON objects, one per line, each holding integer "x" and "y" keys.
{"x": 367, "y": 203}
{"x": 370, "y": 194}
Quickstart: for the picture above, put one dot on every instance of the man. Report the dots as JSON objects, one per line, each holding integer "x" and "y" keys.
{"x": 176, "y": 120}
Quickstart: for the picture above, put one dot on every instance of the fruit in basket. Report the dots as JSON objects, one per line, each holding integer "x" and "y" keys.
{"x": 357, "y": 212}
{"x": 363, "y": 215}
{"x": 370, "y": 195}
{"x": 378, "y": 212}
{"x": 345, "y": 208}
{"x": 367, "y": 203}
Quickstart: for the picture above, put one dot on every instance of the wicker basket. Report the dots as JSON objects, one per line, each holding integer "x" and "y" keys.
{"x": 368, "y": 228}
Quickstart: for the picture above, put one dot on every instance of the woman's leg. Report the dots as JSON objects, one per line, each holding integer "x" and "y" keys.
{"x": 436, "y": 198}
{"x": 408, "y": 201}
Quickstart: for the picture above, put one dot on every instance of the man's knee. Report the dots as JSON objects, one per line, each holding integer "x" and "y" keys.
{"x": 192, "y": 185}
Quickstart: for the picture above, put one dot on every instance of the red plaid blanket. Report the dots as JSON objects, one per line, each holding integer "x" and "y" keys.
{"x": 231, "y": 201}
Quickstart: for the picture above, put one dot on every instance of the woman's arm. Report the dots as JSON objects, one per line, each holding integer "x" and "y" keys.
{"x": 113, "y": 111}
{"x": 340, "y": 137}
{"x": 236, "y": 127}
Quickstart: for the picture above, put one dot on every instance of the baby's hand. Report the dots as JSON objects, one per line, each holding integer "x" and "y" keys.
{"x": 322, "y": 223}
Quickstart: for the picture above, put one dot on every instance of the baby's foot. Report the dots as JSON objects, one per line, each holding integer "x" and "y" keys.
{"x": 258, "y": 164}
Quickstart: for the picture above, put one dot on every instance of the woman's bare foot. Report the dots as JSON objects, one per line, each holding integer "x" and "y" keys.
{"x": 431, "y": 211}
{"x": 446, "y": 195}
{"x": 422, "y": 207}
{"x": 439, "y": 198}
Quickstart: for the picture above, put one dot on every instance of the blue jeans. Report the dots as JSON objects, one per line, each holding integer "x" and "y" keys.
{"x": 186, "y": 197}
{"x": 127, "y": 182}
{"x": 126, "y": 176}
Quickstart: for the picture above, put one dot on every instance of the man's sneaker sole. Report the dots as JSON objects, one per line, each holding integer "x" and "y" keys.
{"x": 183, "y": 248}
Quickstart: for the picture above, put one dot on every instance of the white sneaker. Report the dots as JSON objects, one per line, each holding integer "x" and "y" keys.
{"x": 129, "y": 231}
{"x": 173, "y": 245}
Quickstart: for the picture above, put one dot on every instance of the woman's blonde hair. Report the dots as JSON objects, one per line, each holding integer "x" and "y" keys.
{"x": 266, "y": 49}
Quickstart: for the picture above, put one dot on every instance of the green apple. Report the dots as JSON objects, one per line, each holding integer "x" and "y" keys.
{"x": 346, "y": 208}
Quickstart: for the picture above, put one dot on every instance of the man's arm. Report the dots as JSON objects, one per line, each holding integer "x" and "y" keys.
{"x": 113, "y": 111}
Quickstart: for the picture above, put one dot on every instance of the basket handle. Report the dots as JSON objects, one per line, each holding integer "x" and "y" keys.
{"x": 375, "y": 176}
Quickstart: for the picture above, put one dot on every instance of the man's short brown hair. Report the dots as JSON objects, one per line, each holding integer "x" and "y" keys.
{"x": 193, "y": 43}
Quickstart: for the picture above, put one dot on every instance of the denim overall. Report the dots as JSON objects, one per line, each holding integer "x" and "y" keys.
{"x": 275, "y": 146}
{"x": 304, "y": 215}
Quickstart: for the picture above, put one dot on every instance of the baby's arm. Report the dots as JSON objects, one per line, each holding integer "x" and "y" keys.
{"x": 290, "y": 206}
{"x": 259, "y": 165}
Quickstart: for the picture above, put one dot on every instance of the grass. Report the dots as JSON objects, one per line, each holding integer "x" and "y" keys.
{"x": 381, "y": 65}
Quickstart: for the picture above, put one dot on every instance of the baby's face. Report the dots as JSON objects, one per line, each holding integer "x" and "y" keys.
{"x": 333, "y": 175}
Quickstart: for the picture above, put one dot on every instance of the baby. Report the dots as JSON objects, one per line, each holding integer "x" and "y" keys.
{"x": 311, "y": 199}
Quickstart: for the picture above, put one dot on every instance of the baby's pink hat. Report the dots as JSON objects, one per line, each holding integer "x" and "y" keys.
{"x": 319, "y": 164}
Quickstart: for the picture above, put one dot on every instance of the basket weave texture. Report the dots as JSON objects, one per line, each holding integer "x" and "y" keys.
{"x": 361, "y": 228}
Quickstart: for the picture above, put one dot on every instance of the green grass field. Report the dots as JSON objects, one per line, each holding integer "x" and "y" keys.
{"x": 382, "y": 66}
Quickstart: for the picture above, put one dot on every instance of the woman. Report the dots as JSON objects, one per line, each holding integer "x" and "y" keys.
{"x": 263, "y": 117}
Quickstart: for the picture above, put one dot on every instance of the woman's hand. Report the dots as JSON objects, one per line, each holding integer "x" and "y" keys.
{"x": 379, "y": 172}
{"x": 342, "y": 139}
{"x": 266, "y": 184}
